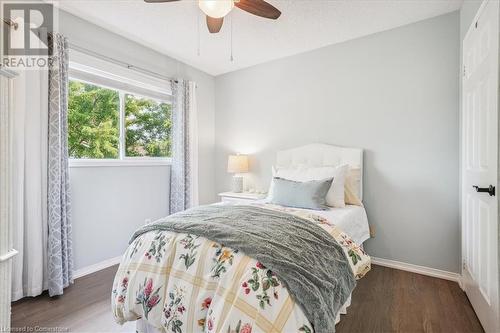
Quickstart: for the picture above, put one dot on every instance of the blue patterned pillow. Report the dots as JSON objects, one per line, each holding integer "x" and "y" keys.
{"x": 308, "y": 195}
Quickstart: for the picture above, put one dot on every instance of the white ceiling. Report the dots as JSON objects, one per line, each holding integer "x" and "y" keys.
{"x": 171, "y": 28}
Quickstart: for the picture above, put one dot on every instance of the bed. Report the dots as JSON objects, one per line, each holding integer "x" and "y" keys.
{"x": 247, "y": 268}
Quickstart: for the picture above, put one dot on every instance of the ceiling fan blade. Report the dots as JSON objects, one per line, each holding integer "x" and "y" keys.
{"x": 214, "y": 24}
{"x": 159, "y": 1}
{"x": 259, "y": 8}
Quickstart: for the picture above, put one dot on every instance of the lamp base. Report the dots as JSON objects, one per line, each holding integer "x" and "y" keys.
{"x": 237, "y": 185}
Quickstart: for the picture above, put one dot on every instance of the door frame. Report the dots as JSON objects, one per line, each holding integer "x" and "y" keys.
{"x": 6, "y": 250}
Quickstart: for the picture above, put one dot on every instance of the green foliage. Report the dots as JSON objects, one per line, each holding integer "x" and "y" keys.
{"x": 148, "y": 125}
{"x": 93, "y": 121}
{"x": 94, "y": 124}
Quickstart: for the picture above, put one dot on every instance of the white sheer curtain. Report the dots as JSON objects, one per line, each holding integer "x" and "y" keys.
{"x": 29, "y": 273}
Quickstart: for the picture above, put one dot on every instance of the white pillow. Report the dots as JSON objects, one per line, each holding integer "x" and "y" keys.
{"x": 335, "y": 195}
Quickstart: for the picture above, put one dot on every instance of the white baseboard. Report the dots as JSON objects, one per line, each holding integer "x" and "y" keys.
{"x": 376, "y": 261}
{"x": 461, "y": 283}
{"x": 96, "y": 267}
{"x": 417, "y": 269}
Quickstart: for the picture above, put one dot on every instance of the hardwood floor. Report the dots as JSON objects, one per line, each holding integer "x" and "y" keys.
{"x": 84, "y": 307}
{"x": 390, "y": 300}
{"x": 386, "y": 300}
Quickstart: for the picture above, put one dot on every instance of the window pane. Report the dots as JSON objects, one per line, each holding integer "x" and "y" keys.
{"x": 93, "y": 121}
{"x": 147, "y": 127}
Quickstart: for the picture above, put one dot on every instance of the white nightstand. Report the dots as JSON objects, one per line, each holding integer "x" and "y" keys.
{"x": 243, "y": 197}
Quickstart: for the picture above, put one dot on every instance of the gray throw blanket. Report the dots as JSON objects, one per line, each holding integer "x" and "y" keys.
{"x": 309, "y": 262}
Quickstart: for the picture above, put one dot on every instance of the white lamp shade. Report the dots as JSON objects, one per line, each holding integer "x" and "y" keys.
{"x": 237, "y": 164}
{"x": 216, "y": 8}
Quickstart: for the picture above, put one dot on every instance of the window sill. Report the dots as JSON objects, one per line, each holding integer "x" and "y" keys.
{"x": 139, "y": 162}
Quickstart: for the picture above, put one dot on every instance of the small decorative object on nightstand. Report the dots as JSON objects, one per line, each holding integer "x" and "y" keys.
{"x": 241, "y": 197}
{"x": 237, "y": 164}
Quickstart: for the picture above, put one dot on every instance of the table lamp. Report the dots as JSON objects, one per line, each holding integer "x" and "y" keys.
{"x": 237, "y": 164}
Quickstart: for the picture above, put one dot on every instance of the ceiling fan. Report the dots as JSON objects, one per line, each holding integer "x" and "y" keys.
{"x": 215, "y": 10}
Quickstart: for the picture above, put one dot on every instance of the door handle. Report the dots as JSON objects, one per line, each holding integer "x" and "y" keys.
{"x": 490, "y": 189}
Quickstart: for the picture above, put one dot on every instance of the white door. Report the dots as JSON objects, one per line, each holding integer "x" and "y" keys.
{"x": 480, "y": 165}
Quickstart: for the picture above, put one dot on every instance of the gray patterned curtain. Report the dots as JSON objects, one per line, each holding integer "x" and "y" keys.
{"x": 59, "y": 247}
{"x": 184, "y": 169}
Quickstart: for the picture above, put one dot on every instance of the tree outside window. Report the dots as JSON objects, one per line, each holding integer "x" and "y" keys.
{"x": 93, "y": 121}
{"x": 148, "y": 125}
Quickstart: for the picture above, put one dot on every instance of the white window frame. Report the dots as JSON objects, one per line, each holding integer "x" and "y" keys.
{"x": 144, "y": 87}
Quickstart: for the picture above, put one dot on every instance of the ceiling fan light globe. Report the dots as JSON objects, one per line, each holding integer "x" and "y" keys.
{"x": 216, "y": 8}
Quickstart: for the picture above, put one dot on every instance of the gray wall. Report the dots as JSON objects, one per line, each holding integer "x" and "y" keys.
{"x": 110, "y": 202}
{"x": 396, "y": 95}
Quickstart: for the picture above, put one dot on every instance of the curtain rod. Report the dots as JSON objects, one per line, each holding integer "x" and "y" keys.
{"x": 118, "y": 62}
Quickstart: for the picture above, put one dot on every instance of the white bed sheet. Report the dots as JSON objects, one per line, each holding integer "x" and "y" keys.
{"x": 351, "y": 219}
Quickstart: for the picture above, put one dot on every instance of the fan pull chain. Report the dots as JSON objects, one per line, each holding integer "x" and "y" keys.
{"x": 198, "y": 32}
{"x": 232, "y": 58}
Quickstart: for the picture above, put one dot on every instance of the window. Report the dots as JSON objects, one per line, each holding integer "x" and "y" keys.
{"x": 107, "y": 124}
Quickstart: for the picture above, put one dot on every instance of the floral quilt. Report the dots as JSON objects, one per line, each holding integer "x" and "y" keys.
{"x": 184, "y": 283}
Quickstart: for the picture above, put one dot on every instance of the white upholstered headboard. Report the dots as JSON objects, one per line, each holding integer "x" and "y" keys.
{"x": 321, "y": 155}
